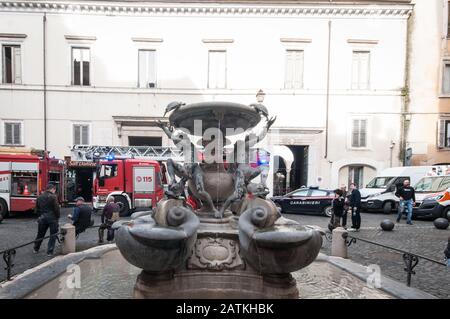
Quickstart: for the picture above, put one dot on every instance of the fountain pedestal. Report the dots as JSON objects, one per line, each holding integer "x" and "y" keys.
{"x": 215, "y": 269}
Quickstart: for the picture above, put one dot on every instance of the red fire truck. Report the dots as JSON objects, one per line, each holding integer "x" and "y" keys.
{"x": 134, "y": 183}
{"x": 24, "y": 175}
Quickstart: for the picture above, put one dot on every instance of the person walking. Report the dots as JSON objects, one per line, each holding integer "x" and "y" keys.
{"x": 407, "y": 196}
{"x": 110, "y": 214}
{"x": 338, "y": 208}
{"x": 48, "y": 210}
{"x": 447, "y": 252}
{"x": 81, "y": 218}
{"x": 355, "y": 206}
{"x": 345, "y": 195}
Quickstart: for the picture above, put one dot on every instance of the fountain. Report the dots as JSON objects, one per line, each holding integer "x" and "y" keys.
{"x": 224, "y": 240}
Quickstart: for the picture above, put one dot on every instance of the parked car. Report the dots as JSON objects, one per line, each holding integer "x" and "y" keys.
{"x": 434, "y": 206}
{"x": 430, "y": 186}
{"x": 310, "y": 200}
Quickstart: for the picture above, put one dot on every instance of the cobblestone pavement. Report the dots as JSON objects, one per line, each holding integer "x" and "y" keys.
{"x": 422, "y": 238}
{"x": 22, "y": 228}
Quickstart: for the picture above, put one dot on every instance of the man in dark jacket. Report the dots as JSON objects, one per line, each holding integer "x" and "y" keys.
{"x": 355, "y": 206}
{"x": 111, "y": 208}
{"x": 407, "y": 197}
{"x": 81, "y": 218}
{"x": 47, "y": 208}
{"x": 447, "y": 252}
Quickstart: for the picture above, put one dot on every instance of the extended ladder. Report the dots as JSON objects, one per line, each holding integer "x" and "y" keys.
{"x": 157, "y": 153}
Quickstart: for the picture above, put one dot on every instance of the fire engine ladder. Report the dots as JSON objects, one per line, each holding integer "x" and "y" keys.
{"x": 157, "y": 153}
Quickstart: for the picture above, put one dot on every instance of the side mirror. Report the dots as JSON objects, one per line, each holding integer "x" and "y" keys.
{"x": 392, "y": 188}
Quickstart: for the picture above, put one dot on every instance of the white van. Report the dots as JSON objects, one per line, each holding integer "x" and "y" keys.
{"x": 379, "y": 194}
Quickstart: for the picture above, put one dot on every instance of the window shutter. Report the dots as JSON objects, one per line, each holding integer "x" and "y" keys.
{"x": 76, "y": 134}
{"x": 446, "y": 79}
{"x": 8, "y": 133}
{"x": 86, "y": 56}
{"x": 441, "y": 134}
{"x": 151, "y": 68}
{"x": 220, "y": 69}
{"x": 85, "y": 134}
{"x": 363, "y": 133}
{"x": 76, "y": 67}
{"x": 142, "y": 67}
{"x": 211, "y": 70}
{"x": 355, "y": 70}
{"x": 364, "y": 70}
{"x": 355, "y": 133}
{"x": 17, "y": 134}
{"x": 298, "y": 69}
{"x": 217, "y": 69}
{"x": 17, "y": 65}
{"x": 289, "y": 70}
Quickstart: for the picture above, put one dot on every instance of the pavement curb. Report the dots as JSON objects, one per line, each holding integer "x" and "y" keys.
{"x": 389, "y": 285}
{"x": 31, "y": 279}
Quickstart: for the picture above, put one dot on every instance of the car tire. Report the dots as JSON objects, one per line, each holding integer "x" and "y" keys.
{"x": 3, "y": 209}
{"x": 328, "y": 211}
{"x": 446, "y": 213}
{"x": 124, "y": 207}
{"x": 387, "y": 208}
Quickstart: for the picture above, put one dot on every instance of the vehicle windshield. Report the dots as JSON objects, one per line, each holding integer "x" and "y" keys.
{"x": 430, "y": 184}
{"x": 380, "y": 182}
{"x": 108, "y": 170}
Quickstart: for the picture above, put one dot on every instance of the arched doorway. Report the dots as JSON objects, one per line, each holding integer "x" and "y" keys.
{"x": 360, "y": 174}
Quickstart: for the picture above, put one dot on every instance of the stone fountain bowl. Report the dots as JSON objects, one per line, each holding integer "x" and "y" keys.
{"x": 284, "y": 247}
{"x": 215, "y": 114}
{"x": 155, "y": 248}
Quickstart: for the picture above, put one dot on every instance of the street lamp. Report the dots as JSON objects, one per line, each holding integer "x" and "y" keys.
{"x": 260, "y": 96}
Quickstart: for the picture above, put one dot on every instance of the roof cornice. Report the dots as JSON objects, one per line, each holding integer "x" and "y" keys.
{"x": 210, "y": 9}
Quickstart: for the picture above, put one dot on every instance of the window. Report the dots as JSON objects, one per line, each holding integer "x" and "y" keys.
{"x": 12, "y": 133}
{"x": 24, "y": 184}
{"x": 359, "y": 133}
{"x": 81, "y": 60}
{"x": 360, "y": 70}
{"x": 147, "y": 69}
{"x": 303, "y": 192}
{"x": 81, "y": 134}
{"x": 11, "y": 65}
{"x": 108, "y": 171}
{"x": 294, "y": 69}
{"x": 429, "y": 184}
{"x": 380, "y": 182}
{"x": 448, "y": 19}
{"x": 445, "y": 184}
{"x": 446, "y": 79}
{"x": 217, "y": 69}
{"x": 444, "y": 133}
{"x": 318, "y": 193}
{"x": 355, "y": 175}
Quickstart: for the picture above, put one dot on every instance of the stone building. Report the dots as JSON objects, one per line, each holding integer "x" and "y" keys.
{"x": 427, "y": 113}
{"x": 102, "y": 72}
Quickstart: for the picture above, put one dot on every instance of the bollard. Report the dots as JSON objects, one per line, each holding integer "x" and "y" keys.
{"x": 68, "y": 245}
{"x": 338, "y": 245}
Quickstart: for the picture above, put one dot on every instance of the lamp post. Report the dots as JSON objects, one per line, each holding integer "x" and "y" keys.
{"x": 260, "y": 96}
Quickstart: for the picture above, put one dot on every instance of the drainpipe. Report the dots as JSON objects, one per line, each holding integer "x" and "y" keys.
{"x": 405, "y": 117}
{"x": 328, "y": 90}
{"x": 44, "y": 54}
